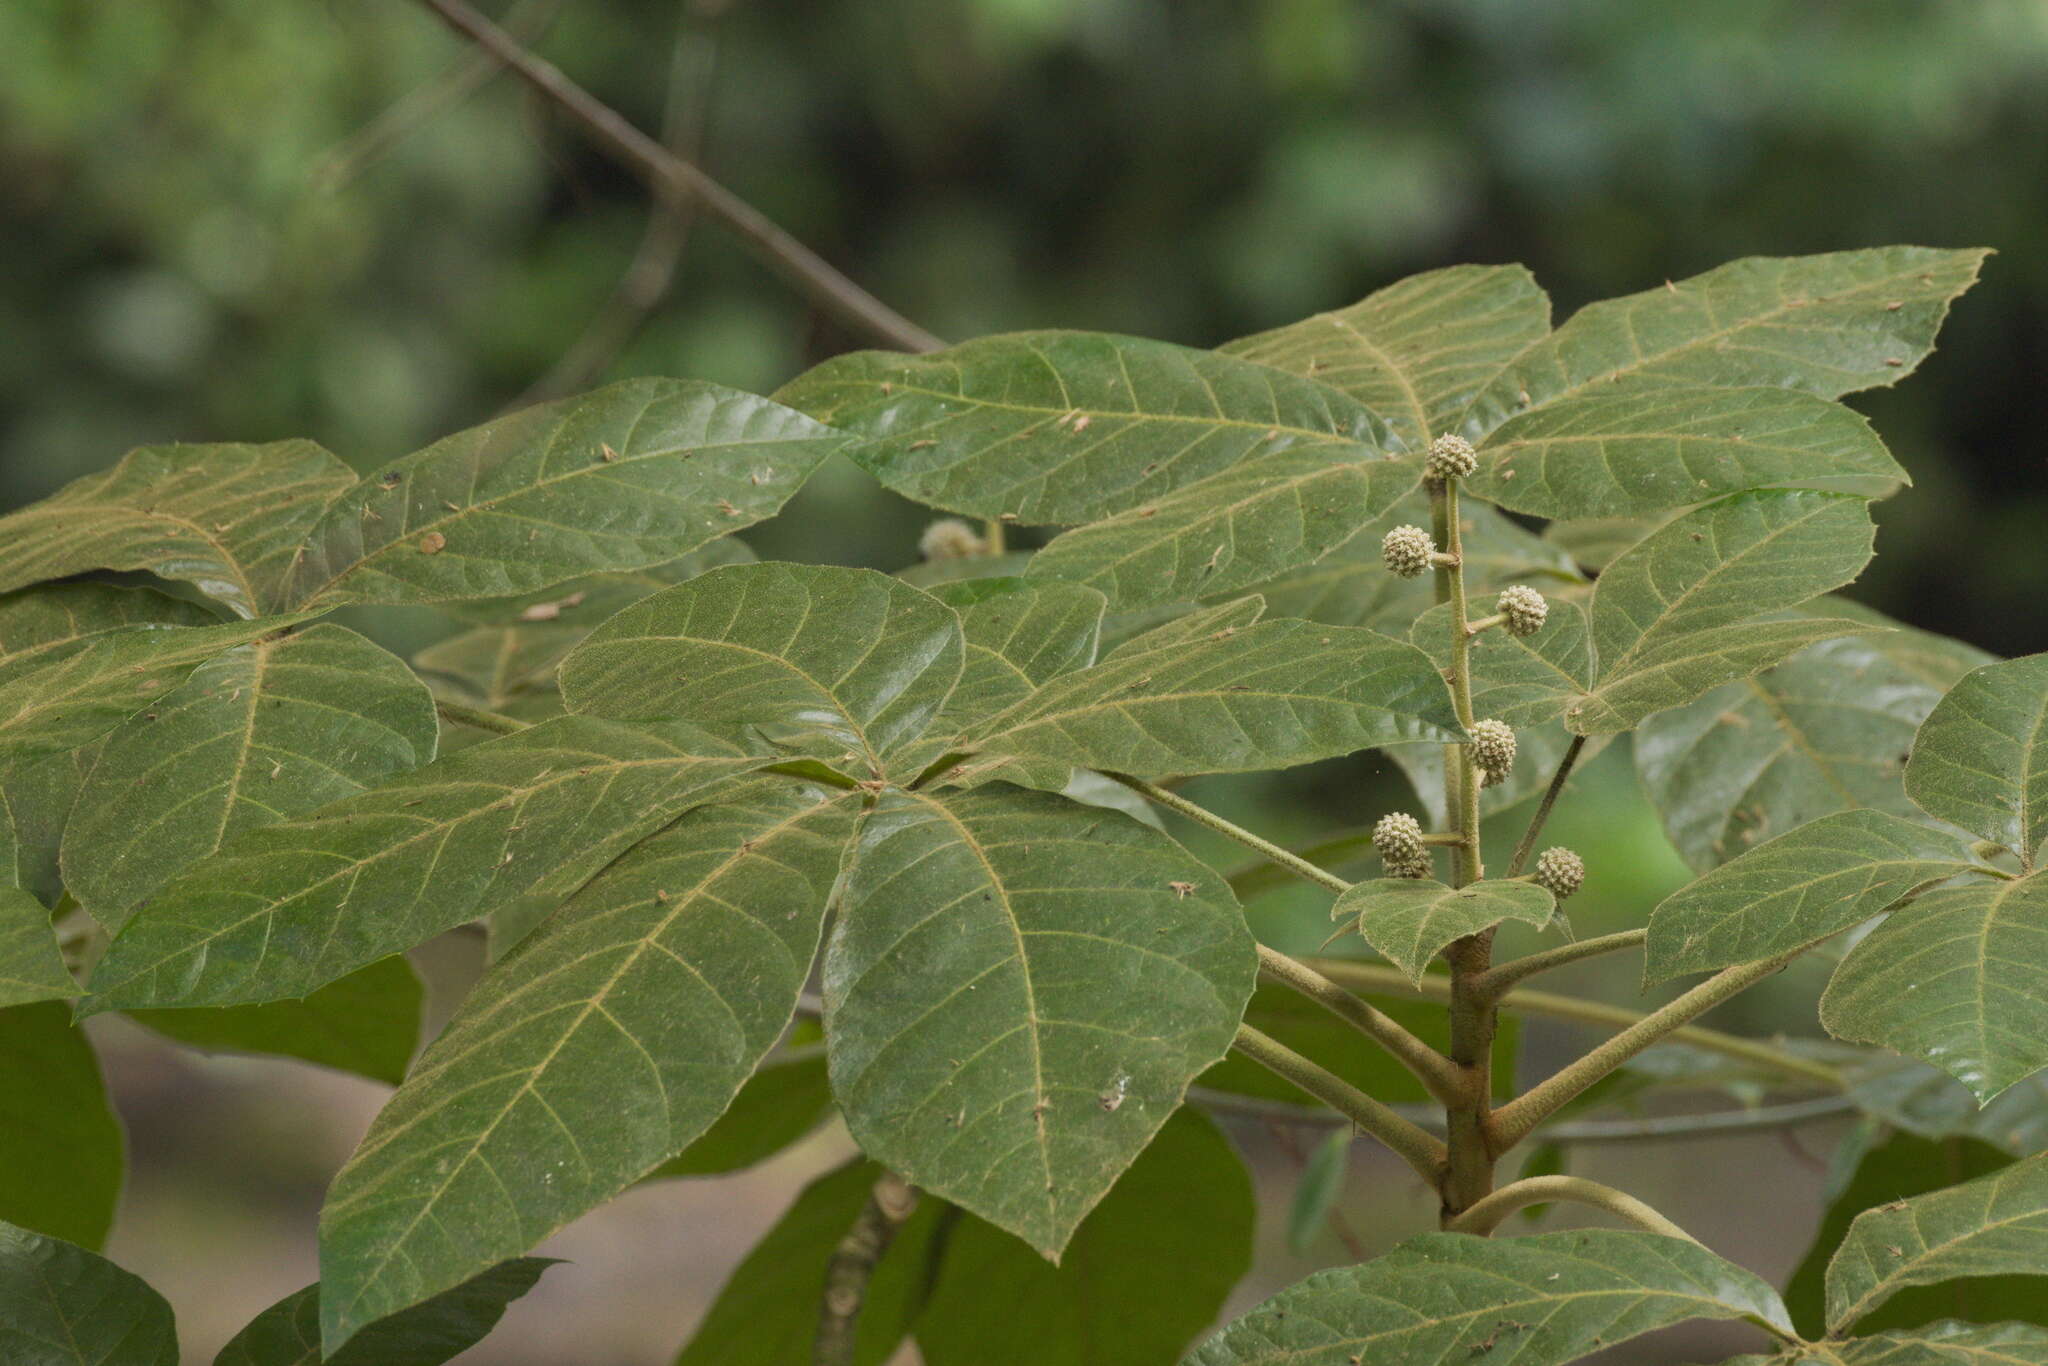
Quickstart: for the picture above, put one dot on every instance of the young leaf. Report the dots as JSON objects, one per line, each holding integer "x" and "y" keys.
{"x": 1410, "y": 920}
{"x": 1828, "y": 325}
{"x": 630, "y": 475}
{"x": 228, "y": 519}
{"x": 976, "y": 1046}
{"x": 1146, "y": 1271}
{"x": 1826, "y": 730}
{"x": 1954, "y": 979}
{"x": 1317, "y": 1190}
{"x": 1996, "y": 1225}
{"x": 846, "y": 664}
{"x": 1070, "y": 426}
{"x": 1445, "y": 1298}
{"x": 265, "y": 732}
{"x": 1676, "y": 615}
{"x": 63, "y": 1306}
{"x": 781, "y": 1103}
{"x": 31, "y": 965}
{"x": 1416, "y": 351}
{"x": 288, "y": 1333}
{"x": 523, "y": 819}
{"x": 1625, "y": 449}
{"x": 367, "y": 1023}
{"x": 1235, "y": 529}
{"x": 1836, "y": 872}
{"x": 1981, "y": 757}
{"x": 1272, "y": 695}
{"x": 61, "y": 1159}
{"x": 603, "y": 1047}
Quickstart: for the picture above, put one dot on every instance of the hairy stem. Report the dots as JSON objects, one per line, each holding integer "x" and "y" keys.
{"x": 1486, "y": 1216}
{"x": 1181, "y": 806}
{"x": 1502, "y": 976}
{"x": 853, "y": 1265}
{"x": 1410, "y": 1141}
{"x": 1430, "y": 1067}
{"x": 477, "y": 718}
{"x": 1550, "y": 794}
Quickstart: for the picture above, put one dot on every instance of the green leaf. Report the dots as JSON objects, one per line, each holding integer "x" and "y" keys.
{"x": 1317, "y": 1189}
{"x": 1981, "y": 757}
{"x": 1410, "y": 920}
{"x": 1996, "y": 1225}
{"x": 845, "y": 663}
{"x": 1928, "y": 1102}
{"x": 1020, "y": 633}
{"x": 1178, "y": 626}
{"x": 265, "y": 732}
{"x": 1677, "y": 614}
{"x": 63, "y": 1306}
{"x": 1070, "y": 426}
{"x": 767, "y": 1314}
{"x": 35, "y": 798}
{"x": 288, "y": 1333}
{"x": 522, "y": 819}
{"x": 61, "y": 1159}
{"x": 1146, "y": 1272}
{"x": 1626, "y": 449}
{"x": 1949, "y": 1343}
{"x": 1235, "y": 529}
{"x": 31, "y": 965}
{"x": 1272, "y": 695}
{"x": 1826, "y": 730}
{"x": 627, "y": 476}
{"x": 780, "y": 1104}
{"x": 1905, "y": 1165}
{"x": 1446, "y": 1298}
{"x": 1828, "y": 325}
{"x": 227, "y": 518}
{"x": 1806, "y": 884}
{"x": 586, "y": 601}
{"x": 602, "y": 1047}
{"x": 1416, "y": 351}
{"x": 1595, "y": 542}
{"x": 974, "y": 1048}
{"x": 1954, "y": 978}
{"x": 367, "y": 1023}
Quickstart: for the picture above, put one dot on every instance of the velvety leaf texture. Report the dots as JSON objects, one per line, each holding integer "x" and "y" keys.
{"x": 528, "y": 817}
{"x": 1410, "y": 920}
{"x": 288, "y": 1333}
{"x": 1070, "y": 426}
{"x": 63, "y": 1306}
{"x": 1810, "y": 882}
{"x": 367, "y": 1023}
{"x": 601, "y": 1048}
{"x": 1416, "y": 351}
{"x": 265, "y": 732}
{"x": 228, "y": 519}
{"x": 1954, "y": 978}
{"x": 844, "y": 663}
{"x": 1446, "y": 1298}
{"x": 1017, "y": 994}
{"x": 1994, "y": 1225}
{"x": 630, "y": 475}
{"x": 31, "y": 966}
{"x": 1981, "y": 757}
{"x": 61, "y": 1150}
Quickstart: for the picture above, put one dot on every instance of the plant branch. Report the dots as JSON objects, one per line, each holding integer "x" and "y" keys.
{"x": 1499, "y": 978}
{"x": 1181, "y": 806}
{"x": 1550, "y": 795}
{"x": 1254, "y": 878}
{"x": 853, "y": 1265}
{"x": 663, "y": 170}
{"x": 1410, "y": 1141}
{"x": 1486, "y": 1216}
{"x": 1430, "y": 1067}
{"x": 477, "y": 718}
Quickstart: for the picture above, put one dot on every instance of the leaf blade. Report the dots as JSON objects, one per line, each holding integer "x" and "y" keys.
{"x": 62, "y": 1305}
{"x": 1411, "y": 920}
{"x": 1980, "y": 758}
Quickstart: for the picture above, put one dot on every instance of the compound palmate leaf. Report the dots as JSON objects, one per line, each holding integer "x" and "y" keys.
{"x": 63, "y": 1306}
{"x": 1996, "y": 1225}
{"x": 1017, "y": 994}
{"x": 1410, "y": 920}
{"x": 1954, "y": 978}
{"x": 228, "y": 519}
{"x": 528, "y": 817}
{"x": 846, "y": 664}
{"x": 610, "y": 1040}
{"x": 288, "y": 1333}
{"x": 630, "y": 475}
{"x": 267, "y": 731}
{"x": 1448, "y": 1299}
{"x": 1981, "y": 757}
{"x": 1070, "y": 426}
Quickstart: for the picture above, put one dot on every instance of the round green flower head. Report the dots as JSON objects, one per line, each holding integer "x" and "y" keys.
{"x": 1397, "y": 837}
{"x": 1493, "y": 749}
{"x": 1407, "y": 549}
{"x": 1451, "y": 457}
{"x": 1524, "y": 609}
{"x": 1560, "y": 872}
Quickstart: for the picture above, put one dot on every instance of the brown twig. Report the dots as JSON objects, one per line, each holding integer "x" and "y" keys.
{"x": 853, "y": 1265}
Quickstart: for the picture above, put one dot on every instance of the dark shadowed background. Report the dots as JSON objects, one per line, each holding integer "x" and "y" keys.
{"x": 246, "y": 220}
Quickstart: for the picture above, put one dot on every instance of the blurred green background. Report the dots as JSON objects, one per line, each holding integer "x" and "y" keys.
{"x": 245, "y": 219}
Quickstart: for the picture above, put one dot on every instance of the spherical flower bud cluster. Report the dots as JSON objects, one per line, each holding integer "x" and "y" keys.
{"x": 1451, "y": 457}
{"x": 1524, "y": 609}
{"x": 1406, "y": 550}
{"x": 1560, "y": 872}
{"x": 1493, "y": 749}
{"x": 949, "y": 538}
{"x": 1398, "y": 839}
